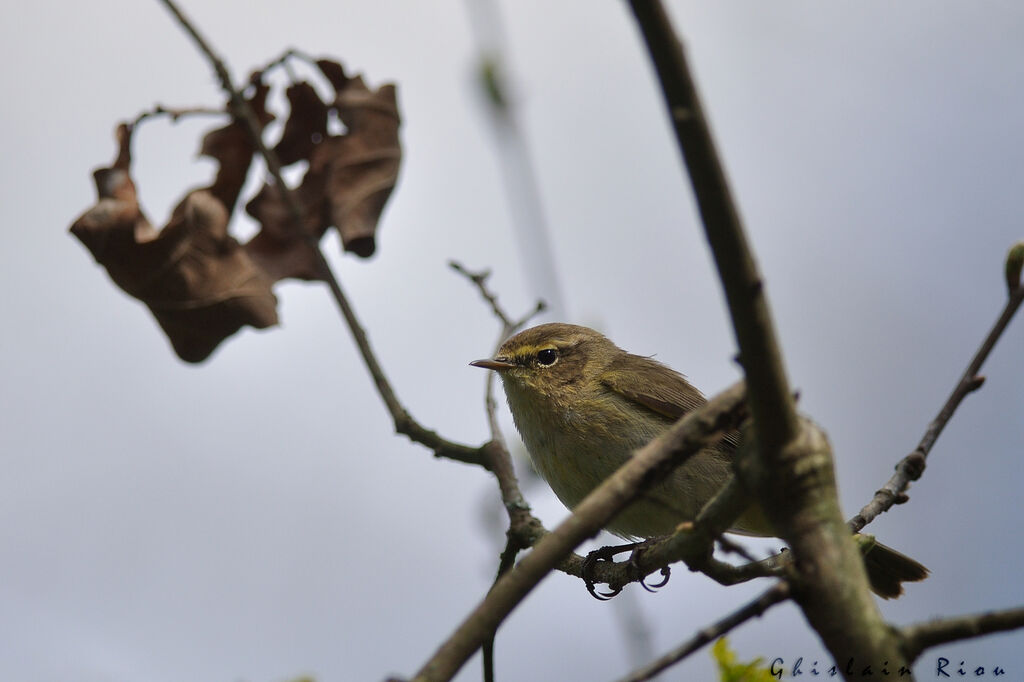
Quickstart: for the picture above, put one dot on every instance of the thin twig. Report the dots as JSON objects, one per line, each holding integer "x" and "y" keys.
{"x": 917, "y": 638}
{"x": 505, "y": 563}
{"x": 289, "y": 54}
{"x": 404, "y": 423}
{"x": 479, "y": 280}
{"x": 912, "y": 466}
{"x": 777, "y": 593}
{"x": 688, "y": 436}
{"x": 499, "y": 458}
{"x": 175, "y": 114}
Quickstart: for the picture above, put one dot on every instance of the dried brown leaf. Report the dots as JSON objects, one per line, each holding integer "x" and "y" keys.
{"x": 278, "y": 247}
{"x": 347, "y": 183}
{"x": 233, "y": 150}
{"x": 199, "y": 283}
{"x": 280, "y": 259}
{"x": 334, "y": 73}
{"x": 306, "y": 125}
{"x": 360, "y": 167}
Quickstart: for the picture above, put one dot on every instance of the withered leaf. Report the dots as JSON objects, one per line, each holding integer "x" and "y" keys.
{"x": 347, "y": 182}
{"x": 333, "y": 72}
{"x": 360, "y": 167}
{"x": 280, "y": 259}
{"x": 306, "y": 125}
{"x": 233, "y": 150}
{"x": 199, "y": 283}
{"x": 278, "y": 248}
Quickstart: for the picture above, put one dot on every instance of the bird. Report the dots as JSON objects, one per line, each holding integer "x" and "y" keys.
{"x": 582, "y": 406}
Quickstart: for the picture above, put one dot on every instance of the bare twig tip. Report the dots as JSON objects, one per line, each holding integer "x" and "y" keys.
{"x": 1014, "y": 264}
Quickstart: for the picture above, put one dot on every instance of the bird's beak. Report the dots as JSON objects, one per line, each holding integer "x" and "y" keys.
{"x": 495, "y": 364}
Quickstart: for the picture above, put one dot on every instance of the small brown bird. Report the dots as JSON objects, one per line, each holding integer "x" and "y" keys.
{"x": 583, "y": 405}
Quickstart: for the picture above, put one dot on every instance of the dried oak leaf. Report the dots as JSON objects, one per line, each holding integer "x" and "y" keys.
{"x": 360, "y": 167}
{"x": 306, "y": 125}
{"x": 334, "y": 73}
{"x": 278, "y": 248}
{"x": 347, "y": 182}
{"x": 233, "y": 149}
{"x": 199, "y": 283}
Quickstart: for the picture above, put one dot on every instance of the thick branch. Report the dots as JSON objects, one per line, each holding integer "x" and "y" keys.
{"x": 917, "y": 638}
{"x": 791, "y": 470}
{"x": 404, "y": 423}
{"x": 688, "y": 436}
{"x": 771, "y": 401}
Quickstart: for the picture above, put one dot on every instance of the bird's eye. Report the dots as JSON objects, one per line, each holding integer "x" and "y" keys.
{"x": 547, "y": 356}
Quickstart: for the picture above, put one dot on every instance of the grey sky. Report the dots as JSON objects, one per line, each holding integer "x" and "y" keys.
{"x": 253, "y": 518}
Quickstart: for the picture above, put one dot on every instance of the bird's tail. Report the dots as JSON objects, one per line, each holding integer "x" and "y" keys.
{"x": 888, "y": 569}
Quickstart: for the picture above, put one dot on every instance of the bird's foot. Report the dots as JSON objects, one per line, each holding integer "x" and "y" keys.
{"x": 608, "y": 554}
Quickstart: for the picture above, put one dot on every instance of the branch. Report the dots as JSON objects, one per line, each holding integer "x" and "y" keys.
{"x": 777, "y": 593}
{"x": 912, "y": 466}
{"x": 524, "y": 528}
{"x": 788, "y": 464}
{"x": 404, "y": 423}
{"x": 917, "y": 638}
{"x": 691, "y": 543}
{"x": 688, "y": 436}
{"x": 771, "y": 401}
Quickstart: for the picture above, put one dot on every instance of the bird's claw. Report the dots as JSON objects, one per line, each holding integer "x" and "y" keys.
{"x": 608, "y": 554}
{"x": 595, "y": 557}
{"x": 601, "y": 596}
{"x": 666, "y": 573}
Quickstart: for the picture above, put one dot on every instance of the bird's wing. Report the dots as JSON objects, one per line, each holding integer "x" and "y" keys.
{"x": 660, "y": 390}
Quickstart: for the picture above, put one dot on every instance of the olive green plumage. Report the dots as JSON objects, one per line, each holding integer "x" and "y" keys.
{"x": 583, "y": 406}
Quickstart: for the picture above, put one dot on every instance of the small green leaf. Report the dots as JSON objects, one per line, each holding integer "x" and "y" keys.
{"x": 731, "y": 670}
{"x": 1014, "y": 263}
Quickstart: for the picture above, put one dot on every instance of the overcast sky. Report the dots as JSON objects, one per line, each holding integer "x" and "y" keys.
{"x": 253, "y": 518}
